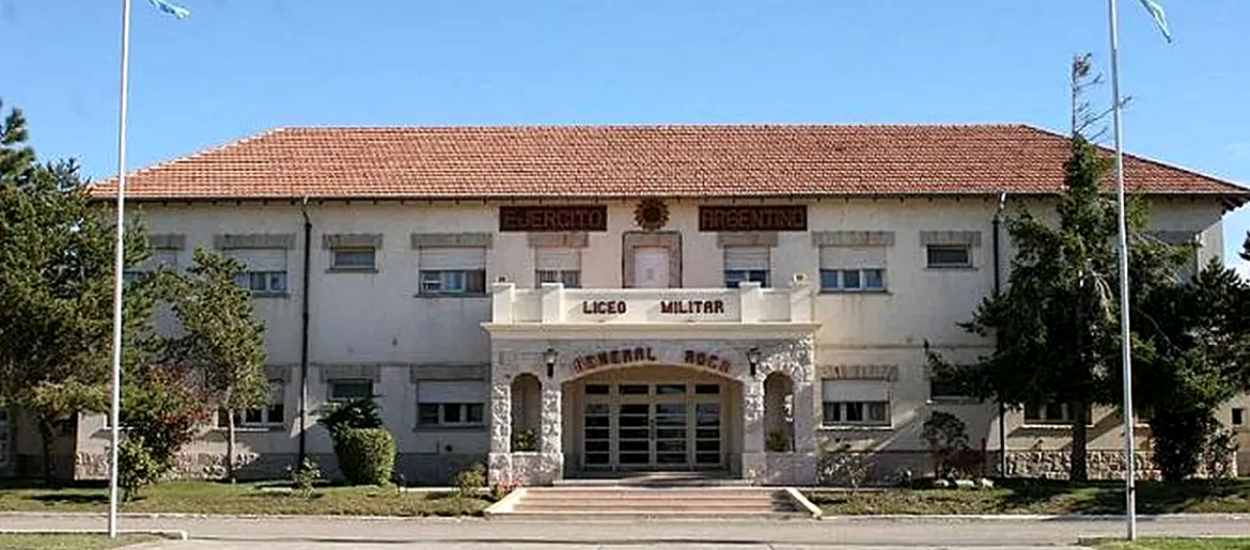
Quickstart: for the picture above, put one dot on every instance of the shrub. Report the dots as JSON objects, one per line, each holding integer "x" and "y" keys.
{"x": 305, "y": 475}
{"x": 137, "y": 468}
{"x": 366, "y": 455}
{"x": 469, "y": 481}
{"x": 948, "y": 442}
{"x": 778, "y": 441}
{"x": 843, "y": 466}
{"x": 524, "y": 441}
{"x": 500, "y": 490}
{"x": 361, "y": 413}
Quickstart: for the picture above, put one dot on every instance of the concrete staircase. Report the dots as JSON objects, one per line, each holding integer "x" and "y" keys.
{"x": 624, "y": 501}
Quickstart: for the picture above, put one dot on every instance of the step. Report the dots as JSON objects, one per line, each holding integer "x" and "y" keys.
{"x": 645, "y": 502}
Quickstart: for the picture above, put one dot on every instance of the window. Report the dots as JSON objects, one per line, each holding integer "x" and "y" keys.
{"x": 948, "y": 255}
{"x": 343, "y": 391}
{"x": 264, "y": 270}
{"x": 1239, "y": 416}
{"x": 452, "y": 271}
{"x": 272, "y": 414}
{"x": 353, "y": 259}
{"x": 852, "y": 269}
{"x": 746, "y": 264}
{"x": 1050, "y": 413}
{"x": 558, "y": 265}
{"x": 944, "y": 389}
{"x": 457, "y": 403}
{"x": 159, "y": 259}
{"x": 855, "y": 402}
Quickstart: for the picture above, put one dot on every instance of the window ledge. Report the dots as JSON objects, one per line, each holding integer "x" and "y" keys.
{"x": 252, "y": 429}
{"x": 954, "y": 401}
{"x": 267, "y": 294}
{"x": 857, "y": 427}
{"x": 1050, "y": 426}
{"x": 877, "y": 292}
{"x": 438, "y": 428}
{"x": 951, "y": 268}
{"x": 352, "y": 270}
{"x": 429, "y": 295}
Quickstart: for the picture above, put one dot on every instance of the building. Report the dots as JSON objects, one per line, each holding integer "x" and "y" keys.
{"x": 557, "y": 302}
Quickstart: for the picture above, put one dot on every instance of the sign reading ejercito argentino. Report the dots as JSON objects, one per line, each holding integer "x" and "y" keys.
{"x": 753, "y": 218}
{"x": 553, "y": 218}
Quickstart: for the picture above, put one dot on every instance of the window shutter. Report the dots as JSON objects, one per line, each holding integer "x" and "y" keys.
{"x": 854, "y": 390}
{"x": 557, "y": 259}
{"x": 852, "y": 257}
{"x": 452, "y": 258}
{"x": 451, "y": 391}
{"x": 261, "y": 259}
{"x": 744, "y": 258}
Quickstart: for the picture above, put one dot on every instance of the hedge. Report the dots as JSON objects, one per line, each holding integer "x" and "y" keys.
{"x": 366, "y": 455}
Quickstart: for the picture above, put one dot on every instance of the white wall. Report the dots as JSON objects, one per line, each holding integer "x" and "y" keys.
{"x": 377, "y": 319}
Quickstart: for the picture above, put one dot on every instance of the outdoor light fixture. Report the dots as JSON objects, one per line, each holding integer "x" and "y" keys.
{"x": 753, "y": 357}
{"x": 549, "y": 357}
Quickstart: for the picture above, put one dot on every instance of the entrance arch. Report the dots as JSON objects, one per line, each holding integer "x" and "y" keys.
{"x": 652, "y": 417}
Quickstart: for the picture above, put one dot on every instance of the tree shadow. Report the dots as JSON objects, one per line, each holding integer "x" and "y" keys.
{"x": 72, "y": 498}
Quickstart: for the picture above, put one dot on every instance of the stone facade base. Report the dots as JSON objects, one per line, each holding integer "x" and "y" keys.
{"x": 1055, "y": 464}
{"x": 789, "y": 469}
{"x": 526, "y": 469}
{"x": 415, "y": 469}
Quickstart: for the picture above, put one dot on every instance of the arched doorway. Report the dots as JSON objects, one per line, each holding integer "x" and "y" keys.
{"x": 652, "y": 418}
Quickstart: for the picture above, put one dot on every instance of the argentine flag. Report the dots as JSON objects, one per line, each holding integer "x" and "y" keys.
{"x": 176, "y": 11}
{"x": 1161, "y": 18}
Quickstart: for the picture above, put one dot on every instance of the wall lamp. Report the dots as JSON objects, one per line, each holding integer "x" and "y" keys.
{"x": 549, "y": 357}
{"x": 753, "y": 357}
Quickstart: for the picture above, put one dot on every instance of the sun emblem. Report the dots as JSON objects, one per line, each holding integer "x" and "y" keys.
{"x": 651, "y": 214}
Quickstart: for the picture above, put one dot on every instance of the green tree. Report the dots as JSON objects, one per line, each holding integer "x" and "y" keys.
{"x": 222, "y": 340}
{"x": 1197, "y": 343}
{"x": 163, "y": 407}
{"x": 56, "y": 290}
{"x": 1056, "y": 323}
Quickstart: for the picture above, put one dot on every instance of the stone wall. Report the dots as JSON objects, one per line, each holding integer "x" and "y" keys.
{"x": 416, "y": 469}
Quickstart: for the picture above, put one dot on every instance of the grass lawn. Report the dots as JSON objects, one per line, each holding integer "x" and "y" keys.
{"x": 68, "y": 542}
{"x": 206, "y": 497}
{"x": 1173, "y": 544}
{"x": 1044, "y": 497}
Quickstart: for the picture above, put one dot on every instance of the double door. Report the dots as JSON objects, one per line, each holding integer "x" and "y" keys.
{"x": 664, "y": 426}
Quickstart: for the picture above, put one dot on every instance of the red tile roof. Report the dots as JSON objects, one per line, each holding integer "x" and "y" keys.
{"x": 629, "y": 161}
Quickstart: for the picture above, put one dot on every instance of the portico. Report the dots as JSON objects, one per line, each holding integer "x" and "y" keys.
{"x": 604, "y": 382}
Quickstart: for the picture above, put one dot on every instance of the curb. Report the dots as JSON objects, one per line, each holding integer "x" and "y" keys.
{"x": 176, "y": 534}
{"x": 1038, "y": 517}
{"x": 241, "y": 517}
{"x": 797, "y": 497}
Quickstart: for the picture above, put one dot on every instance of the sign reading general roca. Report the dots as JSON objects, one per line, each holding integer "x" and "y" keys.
{"x": 553, "y": 218}
{"x": 753, "y": 218}
{"x": 646, "y": 355}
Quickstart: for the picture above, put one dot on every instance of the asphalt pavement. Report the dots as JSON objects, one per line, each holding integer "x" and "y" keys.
{"x": 845, "y": 533}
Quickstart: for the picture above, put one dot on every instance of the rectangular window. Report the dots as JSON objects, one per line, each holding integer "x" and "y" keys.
{"x": 353, "y": 259}
{"x": 347, "y": 390}
{"x": 158, "y": 259}
{"x": 264, "y": 270}
{"x": 1051, "y": 413}
{"x": 558, "y": 265}
{"x": 1239, "y": 416}
{"x": 452, "y": 271}
{"x": 943, "y": 389}
{"x": 948, "y": 255}
{"x": 855, "y": 402}
{"x": 457, "y": 403}
{"x": 852, "y": 268}
{"x": 746, "y": 264}
{"x": 272, "y": 414}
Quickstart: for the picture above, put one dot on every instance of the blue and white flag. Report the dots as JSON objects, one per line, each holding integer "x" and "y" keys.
{"x": 174, "y": 10}
{"x": 1161, "y": 18}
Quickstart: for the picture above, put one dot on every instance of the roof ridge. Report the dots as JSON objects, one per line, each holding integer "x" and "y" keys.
{"x": 648, "y": 125}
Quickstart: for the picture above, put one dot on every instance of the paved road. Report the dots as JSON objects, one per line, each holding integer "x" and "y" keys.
{"x": 474, "y": 534}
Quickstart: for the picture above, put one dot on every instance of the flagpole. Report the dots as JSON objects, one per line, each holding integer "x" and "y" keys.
{"x": 1130, "y": 467}
{"x": 119, "y": 265}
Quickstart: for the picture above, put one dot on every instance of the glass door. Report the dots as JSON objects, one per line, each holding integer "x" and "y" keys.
{"x": 669, "y": 419}
{"x": 633, "y": 426}
{"x": 708, "y": 435}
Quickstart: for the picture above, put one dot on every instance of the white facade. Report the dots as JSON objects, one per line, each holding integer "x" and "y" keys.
{"x": 642, "y": 376}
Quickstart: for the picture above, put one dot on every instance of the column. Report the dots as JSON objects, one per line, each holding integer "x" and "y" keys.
{"x": 500, "y": 458}
{"x": 754, "y": 461}
{"x": 551, "y": 445}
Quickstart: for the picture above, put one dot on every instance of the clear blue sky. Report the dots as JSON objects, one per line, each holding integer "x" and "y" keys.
{"x": 236, "y": 67}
